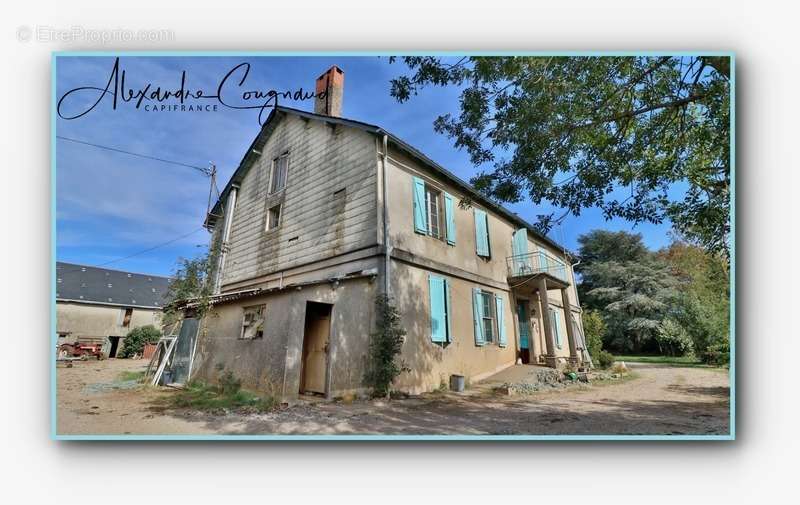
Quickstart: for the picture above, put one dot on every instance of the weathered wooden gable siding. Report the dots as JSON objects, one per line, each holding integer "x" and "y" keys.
{"x": 322, "y": 161}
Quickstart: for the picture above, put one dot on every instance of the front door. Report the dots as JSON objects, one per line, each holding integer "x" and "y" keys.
{"x": 524, "y": 331}
{"x": 315, "y": 348}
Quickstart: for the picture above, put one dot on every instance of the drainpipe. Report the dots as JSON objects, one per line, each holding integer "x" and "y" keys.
{"x": 387, "y": 250}
{"x": 226, "y": 234}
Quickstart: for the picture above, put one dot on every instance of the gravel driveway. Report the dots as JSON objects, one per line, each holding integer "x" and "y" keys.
{"x": 658, "y": 400}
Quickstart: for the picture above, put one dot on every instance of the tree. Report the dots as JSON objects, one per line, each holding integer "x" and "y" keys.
{"x": 634, "y": 298}
{"x": 703, "y": 305}
{"x": 136, "y": 339}
{"x": 599, "y": 246}
{"x": 385, "y": 344}
{"x": 594, "y": 329}
{"x": 616, "y": 133}
{"x": 191, "y": 281}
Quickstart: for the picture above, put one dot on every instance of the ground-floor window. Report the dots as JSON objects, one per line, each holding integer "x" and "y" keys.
{"x": 253, "y": 322}
{"x": 488, "y": 316}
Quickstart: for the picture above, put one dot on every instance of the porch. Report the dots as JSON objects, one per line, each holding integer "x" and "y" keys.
{"x": 532, "y": 277}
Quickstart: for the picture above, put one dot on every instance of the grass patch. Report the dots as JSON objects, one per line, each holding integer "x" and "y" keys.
{"x": 206, "y": 397}
{"x": 663, "y": 360}
{"x": 622, "y": 380}
{"x": 130, "y": 376}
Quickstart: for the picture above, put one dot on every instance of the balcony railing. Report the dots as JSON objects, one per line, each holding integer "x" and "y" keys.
{"x": 536, "y": 263}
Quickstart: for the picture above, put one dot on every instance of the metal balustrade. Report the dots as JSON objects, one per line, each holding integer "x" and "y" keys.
{"x": 538, "y": 262}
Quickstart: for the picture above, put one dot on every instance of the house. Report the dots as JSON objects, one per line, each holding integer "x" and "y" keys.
{"x": 322, "y": 215}
{"x": 99, "y": 305}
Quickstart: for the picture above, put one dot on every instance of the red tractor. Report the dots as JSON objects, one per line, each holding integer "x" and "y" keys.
{"x": 80, "y": 350}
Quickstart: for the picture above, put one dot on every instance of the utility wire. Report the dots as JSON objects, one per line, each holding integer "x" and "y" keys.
{"x": 138, "y": 252}
{"x": 204, "y": 170}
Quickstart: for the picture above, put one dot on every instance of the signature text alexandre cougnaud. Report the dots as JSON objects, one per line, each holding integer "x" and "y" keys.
{"x": 231, "y": 93}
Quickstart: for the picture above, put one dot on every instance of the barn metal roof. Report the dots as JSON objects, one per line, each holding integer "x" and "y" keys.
{"x": 87, "y": 284}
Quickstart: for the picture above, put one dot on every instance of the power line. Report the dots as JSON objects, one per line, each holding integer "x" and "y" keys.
{"x": 204, "y": 170}
{"x": 153, "y": 248}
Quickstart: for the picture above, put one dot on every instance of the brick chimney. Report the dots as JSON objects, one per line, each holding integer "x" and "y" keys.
{"x": 331, "y": 84}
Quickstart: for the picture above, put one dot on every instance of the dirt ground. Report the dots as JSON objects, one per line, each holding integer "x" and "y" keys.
{"x": 92, "y": 399}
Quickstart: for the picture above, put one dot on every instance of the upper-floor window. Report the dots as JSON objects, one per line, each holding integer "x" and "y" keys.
{"x": 433, "y": 206}
{"x": 280, "y": 166}
{"x": 273, "y": 217}
{"x": 434, "y": 212}
{"x": 125, "y": 317}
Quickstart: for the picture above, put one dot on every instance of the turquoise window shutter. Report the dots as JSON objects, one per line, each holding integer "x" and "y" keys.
{"x": 519, "y": 249}
{"x": 450, "y": 215}
{"x": 448, "y": 309}
{"x": 501, "y": 326}
{"x": 438, "y": 321}
{"x": 420, "y": 212}
{"x": 481, "y": 233}
{"x": 555, "y": 316}
{"x": 477, "y": 315}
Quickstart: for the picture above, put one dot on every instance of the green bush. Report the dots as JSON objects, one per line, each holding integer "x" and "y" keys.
{"x": 594, "y": 329}
{"x": 384, "y": 346}
{"x": 136, "y": 338}
{"x": 229, "y": 385}
{"x": 718, "y": 353}
{"x": 605, "y": 359}
{"x": 673, "y": 340}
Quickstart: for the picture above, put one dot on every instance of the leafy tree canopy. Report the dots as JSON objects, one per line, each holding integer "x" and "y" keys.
{"x": 616, "y": 133}
{"x": 191, "y": 281}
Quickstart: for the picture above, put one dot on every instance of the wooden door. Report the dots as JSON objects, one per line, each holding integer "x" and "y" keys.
{"x": 315, "y": 348}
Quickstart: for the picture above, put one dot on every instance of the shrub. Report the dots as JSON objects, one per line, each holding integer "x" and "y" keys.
{"x": 673, "y": 340}
{"x": 605, "y": 359}
{"x": 385, "y": 344}
{"x": 136, "y": 338}
{"x": 594, "y": 329}
{"x": 718, "y": 353}
{"x": 229, "y": 385}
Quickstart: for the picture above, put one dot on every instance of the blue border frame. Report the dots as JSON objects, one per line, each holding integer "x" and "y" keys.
{"x": 731, "y": 372}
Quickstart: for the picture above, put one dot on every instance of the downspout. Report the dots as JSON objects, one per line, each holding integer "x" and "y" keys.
{"x": 226, "y": 234}
{"x": 386, "y": 246}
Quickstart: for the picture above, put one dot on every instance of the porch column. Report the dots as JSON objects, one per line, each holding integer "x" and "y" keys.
{"x": 549, "y": 340}
{"x": 573, "y": 347}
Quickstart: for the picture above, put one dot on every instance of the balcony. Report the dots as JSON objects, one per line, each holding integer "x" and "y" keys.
{"x": 537, "y": 263}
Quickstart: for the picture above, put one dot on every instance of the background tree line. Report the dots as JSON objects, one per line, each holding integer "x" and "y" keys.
{"x": 674, "y": 301}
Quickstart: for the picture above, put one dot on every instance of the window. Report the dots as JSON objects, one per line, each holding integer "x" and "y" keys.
{"x": 280, "y": 167}
{"x": 434, "y": 212}
{"x": 127, "y": 313}
{"x": 274, "y": 217}
{"x": 487, "y": 319}
{"x": 253, "y": 322}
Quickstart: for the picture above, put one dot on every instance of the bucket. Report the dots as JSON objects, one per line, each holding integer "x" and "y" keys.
{"x": 457, "y": 383}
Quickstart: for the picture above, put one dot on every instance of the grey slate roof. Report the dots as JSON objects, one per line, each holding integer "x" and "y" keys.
{"x": 269, "y": 125}
{"x": 88, "y": 284}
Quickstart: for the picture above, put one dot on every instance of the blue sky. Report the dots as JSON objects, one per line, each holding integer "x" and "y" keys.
{"x": 111, "y": 205}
